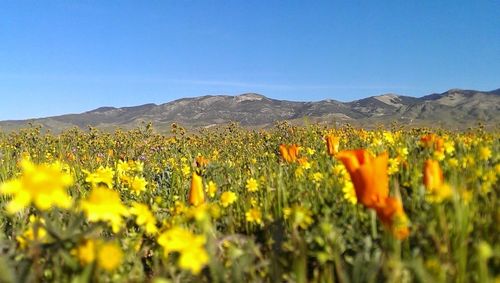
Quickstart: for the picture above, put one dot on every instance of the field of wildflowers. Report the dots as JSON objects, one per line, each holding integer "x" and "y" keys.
{"x": 288, "y": 204}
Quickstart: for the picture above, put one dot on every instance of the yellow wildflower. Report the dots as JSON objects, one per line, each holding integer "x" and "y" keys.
{"x": 138, "y": 185}
{"x": 34, "y": 233}
{"x": 211, "y": 188}
{"x": 317, "y": 177}
{"x": 484, "y": 153}
{"x": 103, "y": 175}
{"x": 145, "y": 217}
{"x": 193, "y": 255}
{"x": 104, "y": 204}
{"x": 44, "y": 185}
{"x": 252, "y": 185}
{"x": 453, "y": 162}
{"x": 123, "y": 167}
{"x": 287, "y": 211}
{"x": 301, "y": 217}
{"x": 186, "y": 170}
{"x": 109, "y": 256}
{"x": 138, "y": 166}
{"x": 86, "y": 251}
{"x": 228, "y": 198}
{"x": 349, "y": 192}
{"x": 254, "y": 216}
{"x": 393, "y": 166}
{"x": 193, "y": 259}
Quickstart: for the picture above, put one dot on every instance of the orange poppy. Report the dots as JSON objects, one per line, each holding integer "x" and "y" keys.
{"x": 332, "y": 144}
{"x": 196, "y": 195}
{"x": 289, "y": 153}
{"x": 371, "y": 183}
{"x": 201, "y": 161}
{"x": 433, "y": 141}
{"x": 433, "y": 175}
{"x": 392, "y": 215}
{"x": 368, "y": 174}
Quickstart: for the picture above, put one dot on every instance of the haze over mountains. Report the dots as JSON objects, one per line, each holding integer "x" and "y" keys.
{"x": 455, "y": 108}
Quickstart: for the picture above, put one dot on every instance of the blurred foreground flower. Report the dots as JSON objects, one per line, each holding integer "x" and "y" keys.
{"x": 193, "y": 255}
{"x": 108, "y": 255}
{"x": 44, "y": 185}
{"x": 104, "y": 204}
{"x": 145, "y": 218}
{"x": 34, "y": 232}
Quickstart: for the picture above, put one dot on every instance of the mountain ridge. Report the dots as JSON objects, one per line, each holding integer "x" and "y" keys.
{"x": 453, "y": 108}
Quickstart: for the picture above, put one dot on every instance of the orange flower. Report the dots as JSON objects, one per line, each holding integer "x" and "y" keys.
{"x": 196, "y": 195}
{"x": 332, "y": 144}
{"x": 392, "y": 215}
{"x": 433, "y": 141}
{"x": 201, "y": 161}
{"x": 289, "y": 153}
{"x": 433, "y": 175}
{"x": 434, "y": 181}
{"x": 371, "y": 183}
{"x": 368, "y": 174}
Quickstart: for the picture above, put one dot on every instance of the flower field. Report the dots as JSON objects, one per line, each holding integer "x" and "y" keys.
{"x": 287, "y": 204}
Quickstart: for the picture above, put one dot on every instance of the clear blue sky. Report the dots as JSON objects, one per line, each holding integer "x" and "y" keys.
{"x": 71, "y": 56}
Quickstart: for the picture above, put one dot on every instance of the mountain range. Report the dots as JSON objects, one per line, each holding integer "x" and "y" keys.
{"x": 454, "y": 108}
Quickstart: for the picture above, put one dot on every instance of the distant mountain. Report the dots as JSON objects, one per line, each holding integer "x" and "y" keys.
{"x": 455, "y": 108}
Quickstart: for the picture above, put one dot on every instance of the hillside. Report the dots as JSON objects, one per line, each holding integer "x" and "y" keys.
{"x": 455, "y": 108}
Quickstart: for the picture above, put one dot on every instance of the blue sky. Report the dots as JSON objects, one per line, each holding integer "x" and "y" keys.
{"x": 61, "y": 56}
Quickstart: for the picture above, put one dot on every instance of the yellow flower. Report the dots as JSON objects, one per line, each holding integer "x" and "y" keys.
{"x": 104, "y": 204}
{"x": 301, "y": 217}
{"x": 34, "y": 233}
{"x": 123, "y": 167}
{"x": 103, "y": 175}
{"x": 109, "y": 256}
{"x": 186, "y": 170}
{"x": 228, "y": 198}
{"x": 144, "y": 218}
{"x": 304, "y": 163}
{"x": 449, "y": 146}
{"x": 254, "y": 216}
{"x": 317, "y": 177}
{"x": 193, "y": 255}
{"x": 389, "y": 138}
{"x": 310, "y": 151}
{"x": 393, "y": 166}
{"x": 349, "y": 192}
{"x": 484, "y": 153}
{"x": 138, "y": 185}
{"x": 252, "y": 185}
{"x": 193, "y": 259}
{"x": 453, "y": 162}
{"x": 44, "y": 185}
{"x": 86, "y": 251}
{"x": 138, "y": 166}
{"x": 211, "y": 189}
{"x": 287, "y": 211}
